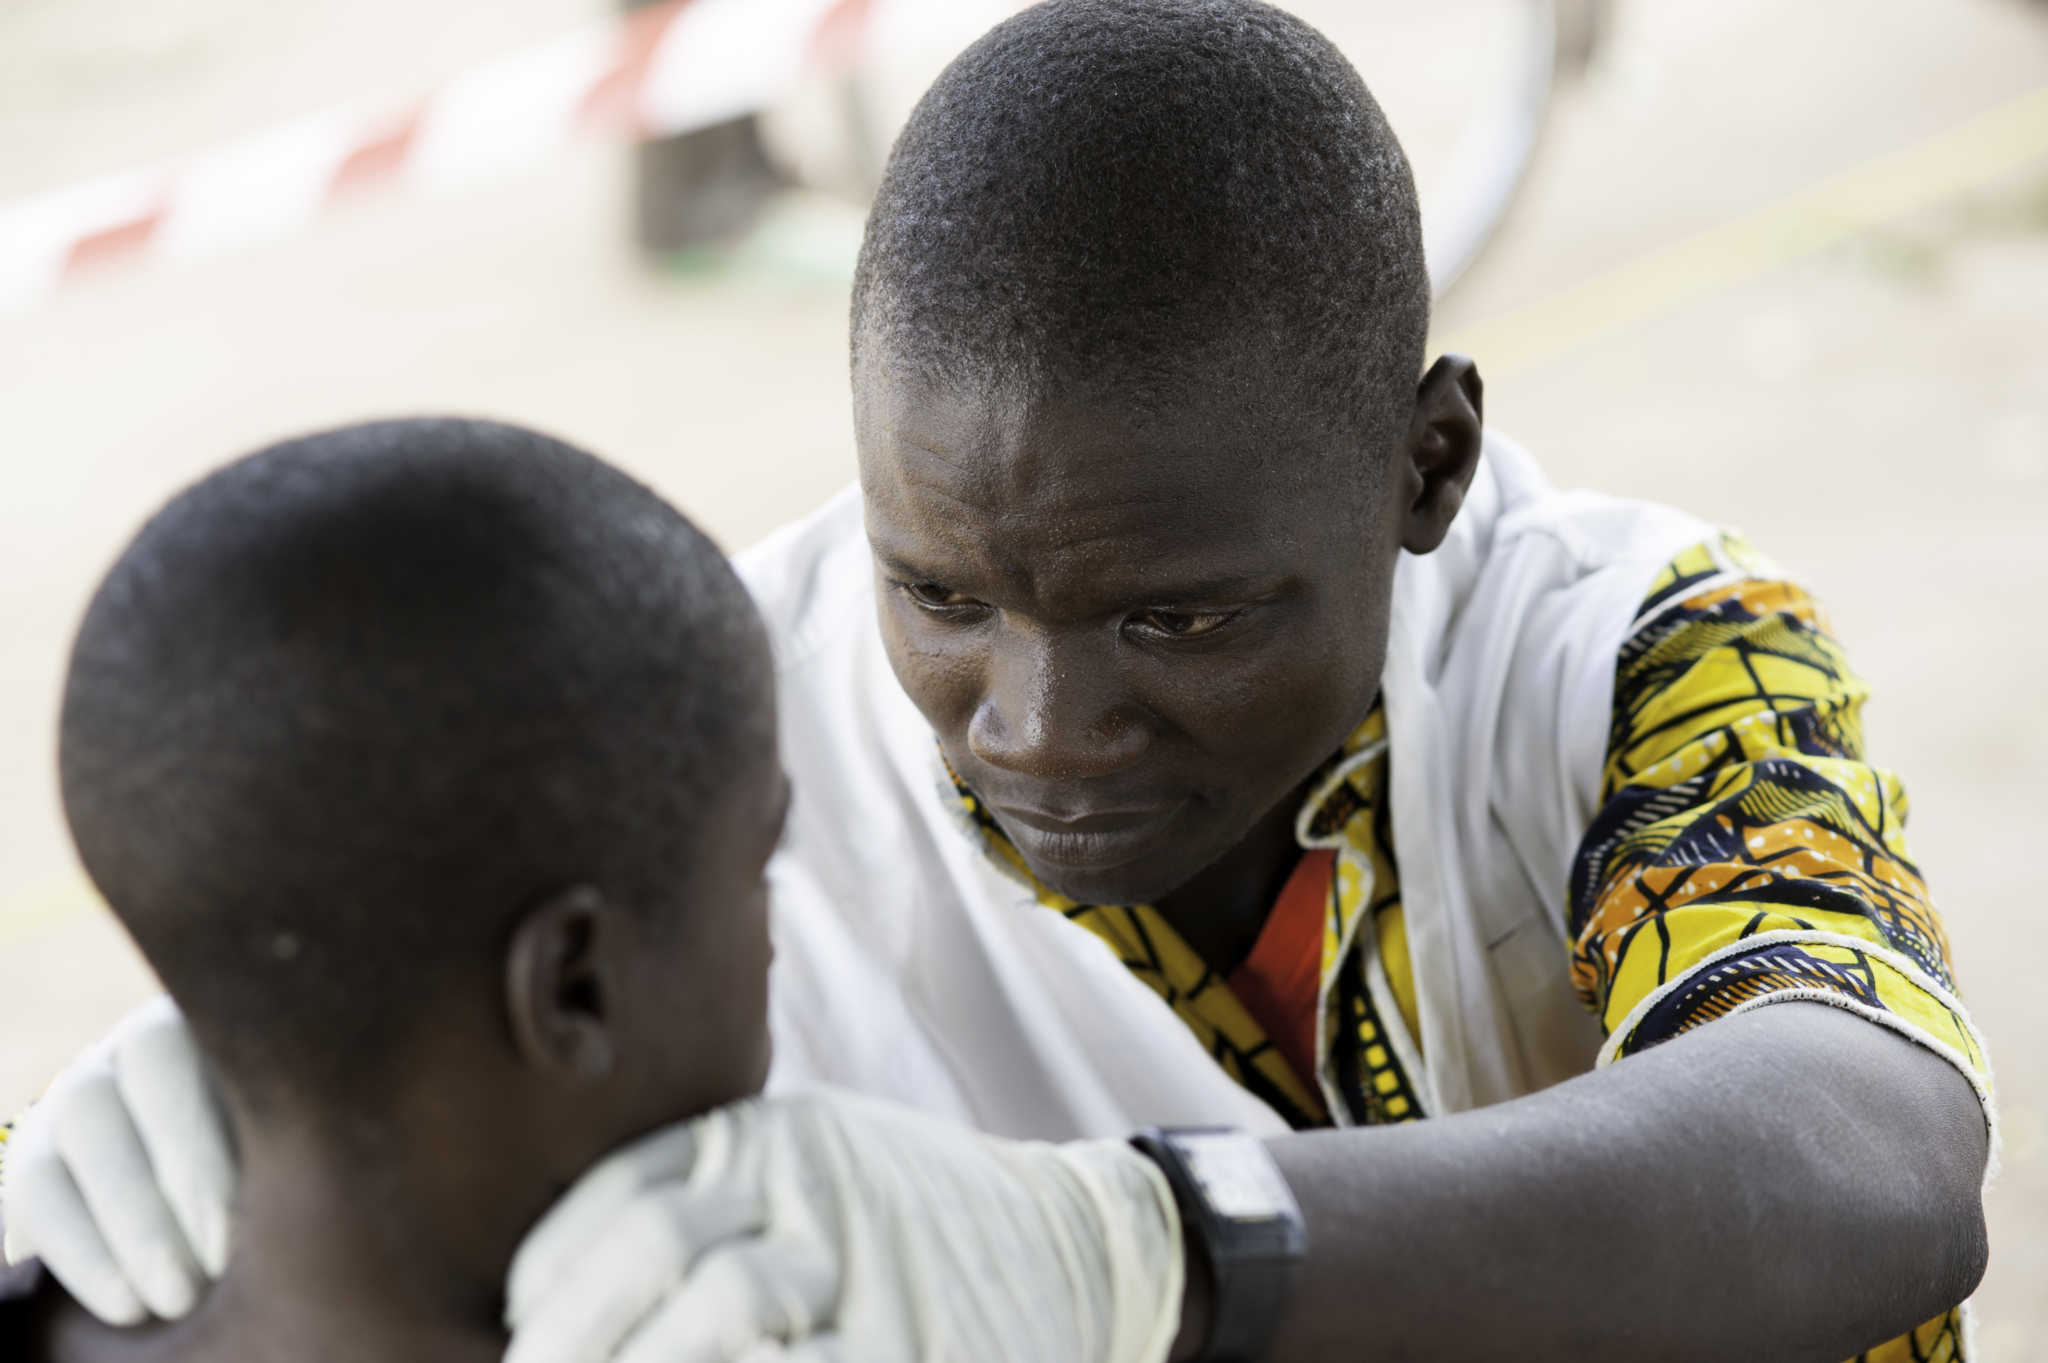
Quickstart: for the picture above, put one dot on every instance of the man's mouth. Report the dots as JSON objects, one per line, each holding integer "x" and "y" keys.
{"x": 1086, "y": 840}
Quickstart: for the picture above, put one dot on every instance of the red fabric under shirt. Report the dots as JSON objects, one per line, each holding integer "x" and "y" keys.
{"x": 1277, "y": 983}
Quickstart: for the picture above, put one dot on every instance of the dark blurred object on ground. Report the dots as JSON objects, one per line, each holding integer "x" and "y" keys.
{"x": 1581, "y": 26}
{"x": 702, "y": 186}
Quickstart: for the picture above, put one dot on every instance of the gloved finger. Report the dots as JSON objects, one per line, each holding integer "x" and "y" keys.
{"x": 47, "y": 1216}
{"x": 177, "y": 1112}
{"x": 566, "y": 1235}
{"x": 30, "y": 1155}
{"x": 150, "y": 1013}
{"x": 737, "y": 1296}
{"x": 112, "y": 1171}
{"x": 636, "y": 1262}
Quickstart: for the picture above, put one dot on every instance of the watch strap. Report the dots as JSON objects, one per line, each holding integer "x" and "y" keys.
{"x": 1246, "y": 1223}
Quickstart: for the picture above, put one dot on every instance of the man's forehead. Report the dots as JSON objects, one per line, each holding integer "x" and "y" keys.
{"x": 1079, "y": 501}
{"x": 1079, "y": 573}
{"x": 1094, "y": 463}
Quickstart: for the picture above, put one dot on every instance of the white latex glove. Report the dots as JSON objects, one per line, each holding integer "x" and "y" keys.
{"x": 852, "y": 1230}
{"x": 123, "y": 1175}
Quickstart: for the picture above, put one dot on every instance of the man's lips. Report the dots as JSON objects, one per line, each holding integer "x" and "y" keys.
{"x": 1094, "y": 840}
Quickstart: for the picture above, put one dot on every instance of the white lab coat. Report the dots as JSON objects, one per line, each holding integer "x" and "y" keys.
{"x": 908, "y": 967}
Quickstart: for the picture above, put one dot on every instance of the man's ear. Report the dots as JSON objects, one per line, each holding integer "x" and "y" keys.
{"x": 1442, "y": 452}
{"x": 561, "y": 986}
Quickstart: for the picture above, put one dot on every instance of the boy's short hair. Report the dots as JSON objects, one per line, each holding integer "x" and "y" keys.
{"x": 1116, "y": 197}
{"x": 345, "y": 708}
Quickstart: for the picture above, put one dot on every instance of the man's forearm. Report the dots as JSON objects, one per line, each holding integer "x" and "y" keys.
{"x": 1791, "y": 1184}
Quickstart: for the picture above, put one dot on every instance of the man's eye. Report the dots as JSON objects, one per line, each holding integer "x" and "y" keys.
{"x": 1185, "y": 624}
{"x": 934, "y": 597}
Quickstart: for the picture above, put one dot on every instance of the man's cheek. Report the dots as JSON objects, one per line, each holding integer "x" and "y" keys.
{"x": 1288, "y": 725}
{"x": 1259, "y": 698}
{"x": 941, "y": 676}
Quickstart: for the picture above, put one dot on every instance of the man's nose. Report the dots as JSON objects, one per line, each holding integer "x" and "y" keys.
{"x": 1052, "y": 709}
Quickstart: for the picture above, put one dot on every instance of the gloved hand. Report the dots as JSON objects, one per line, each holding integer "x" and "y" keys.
{"x": 853, "y": 1230}
{"x": 123, "y": 1175}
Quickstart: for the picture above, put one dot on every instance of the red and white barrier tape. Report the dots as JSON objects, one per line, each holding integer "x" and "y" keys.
{"x": 655, "y": 72}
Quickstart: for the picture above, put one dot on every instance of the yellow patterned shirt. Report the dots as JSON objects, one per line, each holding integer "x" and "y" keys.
{"x": 1744, "y": 853}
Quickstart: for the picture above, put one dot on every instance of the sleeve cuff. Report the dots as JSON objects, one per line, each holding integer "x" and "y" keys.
{"x": 1845, "y": 972}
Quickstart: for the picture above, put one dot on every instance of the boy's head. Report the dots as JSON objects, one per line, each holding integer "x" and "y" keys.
{"x": 437, "y": 755}
{"x": 1136, "y": 335}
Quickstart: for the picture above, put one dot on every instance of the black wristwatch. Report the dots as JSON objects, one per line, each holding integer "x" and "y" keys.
{"x": 1246, "y": 1224}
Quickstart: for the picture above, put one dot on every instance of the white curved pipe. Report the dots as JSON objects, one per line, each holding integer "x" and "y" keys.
{"x": 1468, "y": 202}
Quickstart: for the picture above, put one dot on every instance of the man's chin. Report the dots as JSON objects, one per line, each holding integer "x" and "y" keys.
{"x": 1140, "y": 882}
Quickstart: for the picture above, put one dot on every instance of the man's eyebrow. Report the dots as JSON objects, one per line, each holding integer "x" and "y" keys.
{"x": 1220, "y": 587}
{"x": 1217, "y": 587}
{"x": 896, "y": 563}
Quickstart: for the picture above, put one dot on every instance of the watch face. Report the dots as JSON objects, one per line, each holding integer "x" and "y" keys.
{"x": 1236, "y": 1175}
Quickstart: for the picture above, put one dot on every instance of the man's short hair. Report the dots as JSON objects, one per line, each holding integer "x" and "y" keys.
{"x": 1121, "y": 196}
{"x": 345, "y": 708}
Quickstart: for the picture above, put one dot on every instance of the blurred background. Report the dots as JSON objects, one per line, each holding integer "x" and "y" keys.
{"x": 1781, "y": 262}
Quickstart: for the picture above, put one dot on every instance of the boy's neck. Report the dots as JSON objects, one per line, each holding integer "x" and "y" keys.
{"x": 344, "y": 1253}
{"x": 346, "y": 1250}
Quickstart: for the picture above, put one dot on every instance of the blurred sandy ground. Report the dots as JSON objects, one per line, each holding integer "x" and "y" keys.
{"x": 1876, "y": 417}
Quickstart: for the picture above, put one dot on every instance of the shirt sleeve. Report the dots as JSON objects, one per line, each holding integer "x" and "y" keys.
{"x": 1745, "y": 853}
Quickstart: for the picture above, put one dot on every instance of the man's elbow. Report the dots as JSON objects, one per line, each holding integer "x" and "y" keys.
{"x": 1959, "y": 1153}
{"x": 1966, "y": 1250}
{"x": 1931, "y": 1261}
{"x": 1936, "y": 1236}
{"x": 1897, "y": 1253}
{"x": 1894, "y": 1147}
{"x": 1957, "y": 1245}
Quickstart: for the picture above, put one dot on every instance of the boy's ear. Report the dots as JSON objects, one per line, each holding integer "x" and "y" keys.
{"x": 1442, "y": 452}
{"x": 561, "y": 986}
